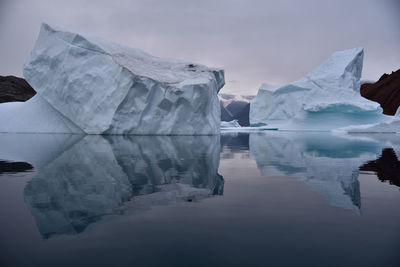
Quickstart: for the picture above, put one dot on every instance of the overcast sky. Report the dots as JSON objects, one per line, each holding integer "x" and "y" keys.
{"x": 254, "y": 41}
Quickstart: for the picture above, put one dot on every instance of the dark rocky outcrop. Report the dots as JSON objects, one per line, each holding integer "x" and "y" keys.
{"x": 386, "y": 167}
{"x": 14, "y": 167}
{"x": 386, "y": 91}
{"x": 243, "y": 115}
{"x": 233, "y": 108}
{"x": 240, "y": 111}
{"x": 236, "y": 110}
{"x": 14, "y": 89}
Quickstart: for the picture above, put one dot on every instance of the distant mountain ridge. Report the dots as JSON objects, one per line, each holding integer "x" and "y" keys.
{"x": 235, "y": 107}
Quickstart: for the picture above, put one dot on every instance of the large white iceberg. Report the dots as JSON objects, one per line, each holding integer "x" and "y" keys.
{"x": 87, "y": 85}
{"x": 326, "y": 98}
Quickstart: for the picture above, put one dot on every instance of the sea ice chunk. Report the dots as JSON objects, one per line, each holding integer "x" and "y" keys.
{"x": 230, "y": 124}
{"x": 34, "y": 116}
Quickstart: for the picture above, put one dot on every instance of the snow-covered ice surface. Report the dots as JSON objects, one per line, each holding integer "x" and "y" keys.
{"x": 328, "y": 164}
{"x": 88, "y": 85}
{"x": 326, "y": 98}
{"x": 81, "y": 178}
{"x": 34, "y": 116}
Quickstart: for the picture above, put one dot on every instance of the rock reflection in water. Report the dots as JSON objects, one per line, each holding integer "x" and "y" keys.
{"x": 327, "y": 164}
{"x": 95, "y": 175}
{"x": 14, "y": 167}
{"x": 386, "y": 167}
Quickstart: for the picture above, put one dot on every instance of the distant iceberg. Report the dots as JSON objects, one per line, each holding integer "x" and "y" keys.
{"x": 87, "y": 85}
{"x": 326, "y": 98}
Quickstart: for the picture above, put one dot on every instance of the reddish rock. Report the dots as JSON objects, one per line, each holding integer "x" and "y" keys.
{"x": 386, "y": 92}
{"x": 14, "y": 89}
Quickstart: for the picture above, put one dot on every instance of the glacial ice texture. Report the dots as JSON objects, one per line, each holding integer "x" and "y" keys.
{"x": 88, "y": 85}
{"x": 326, "y": 98}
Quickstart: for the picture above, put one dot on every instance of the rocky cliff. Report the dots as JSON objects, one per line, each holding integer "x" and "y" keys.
{"x": 386, "y": 91}
{"x": 14, "y": 89}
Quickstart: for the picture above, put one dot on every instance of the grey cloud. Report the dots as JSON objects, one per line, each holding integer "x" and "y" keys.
{"x": 254, "y": 41}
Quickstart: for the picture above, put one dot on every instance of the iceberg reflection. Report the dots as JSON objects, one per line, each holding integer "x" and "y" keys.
{"x": 327, "y": 164}
{"x": 95, "y": 175}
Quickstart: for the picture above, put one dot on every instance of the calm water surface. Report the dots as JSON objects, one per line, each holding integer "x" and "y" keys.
{"x": 260, "y": 199}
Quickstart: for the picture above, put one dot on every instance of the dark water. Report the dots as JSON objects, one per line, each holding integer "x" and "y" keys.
{"x": 270, "y": 199}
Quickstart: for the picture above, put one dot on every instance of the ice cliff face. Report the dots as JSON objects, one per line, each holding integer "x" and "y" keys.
{"x": 328, "y": 97}
{"x": 100, "y": 87}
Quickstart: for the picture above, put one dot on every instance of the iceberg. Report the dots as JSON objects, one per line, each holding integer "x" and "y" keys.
{"x": 87, "y": 85}
{"x": 326, "y": 98}
{"x": 34, "y": 116}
